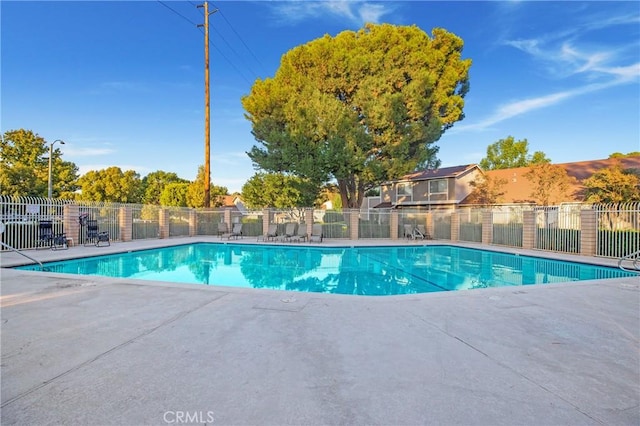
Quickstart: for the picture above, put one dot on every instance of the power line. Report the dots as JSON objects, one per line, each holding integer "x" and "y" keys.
{"x": 228, "y": 61}
{"x": 177, "y": 13}
{"x": 240, "y": 38}
{"x": 212, "y": 44}
{"x": 236, "y": 53}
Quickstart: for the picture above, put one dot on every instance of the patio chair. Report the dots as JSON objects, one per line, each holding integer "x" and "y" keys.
{"x": 235, "y": 232}
{"x": 45, "y": 235}
{"x": 408, "y": 231}
{"x": 421, "y": 232}
{"x": 289, "y": 231}
{"x": 223, "y": 229}
{"x": 272, "y": 233}
{"x": 94, "y": 235}
{"x": 316, "y": 233}
{"x": 60, "y": 241}
{"x": 301, "y": 234}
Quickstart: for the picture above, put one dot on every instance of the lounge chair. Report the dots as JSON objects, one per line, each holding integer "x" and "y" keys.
{"x": 408, "y": 231}
{"x": 316, "y": 234}
{"x": 94, "y": 235}
{"x": 235, "y": 232}
{"x": 272, "y": 233}
{"x": 301, "y": 235}
{"x": 421, "y": 232}
{"x": 289, "y": 231}
{"x": 45, "y": 237}
{"x": 222, "y": 229}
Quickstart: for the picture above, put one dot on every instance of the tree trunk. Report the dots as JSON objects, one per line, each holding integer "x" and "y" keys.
{"x": 351, "y": 193}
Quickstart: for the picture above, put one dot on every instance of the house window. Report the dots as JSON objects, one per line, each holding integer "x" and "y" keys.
{"x": 405, "y": 190}
{"x": 438, "y": 190}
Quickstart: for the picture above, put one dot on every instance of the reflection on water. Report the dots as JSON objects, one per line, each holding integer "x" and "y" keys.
{"x": 364, "y": 270}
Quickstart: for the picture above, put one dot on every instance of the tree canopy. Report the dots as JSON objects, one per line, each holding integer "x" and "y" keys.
{"x": 111, "y": 185}
{"x": 550, "y": 183}
{"x": 509, "y": 153}
{"x": 24, "y": 166}
{"x": 154, "y": 183}
{"x": 195, "y": 192}
{"x": 613, "y": 185}
{"x": 487, "y": 190}
{"x": 277, "y": 190}
{"x": 359, "y": 108}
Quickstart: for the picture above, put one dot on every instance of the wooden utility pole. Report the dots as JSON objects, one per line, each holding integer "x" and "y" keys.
{"x": 207, "y": 110}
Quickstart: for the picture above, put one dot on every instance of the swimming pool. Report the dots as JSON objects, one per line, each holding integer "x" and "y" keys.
{"x": 388, "y": 270}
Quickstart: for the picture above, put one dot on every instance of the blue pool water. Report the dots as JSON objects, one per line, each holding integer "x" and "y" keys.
{"x": 343, "y": 270}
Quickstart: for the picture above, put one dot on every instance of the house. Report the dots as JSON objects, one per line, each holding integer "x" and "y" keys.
{"x": 438, "y": 188}
{"x": 518, "y": 188}
{"x": 451, "y": 186}
{"x": 233, "y": 202}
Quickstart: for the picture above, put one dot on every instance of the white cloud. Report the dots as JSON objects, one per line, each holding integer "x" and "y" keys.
{"x": 524, "y": 106}
{"x": 356, "y": 12}
{"x": 568, "y": 60}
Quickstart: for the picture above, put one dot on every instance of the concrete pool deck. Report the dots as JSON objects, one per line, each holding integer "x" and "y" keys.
{"x": 96, "y": 351}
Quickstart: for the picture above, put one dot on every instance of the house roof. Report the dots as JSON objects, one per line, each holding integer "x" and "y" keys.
{"x": 438, "y": 173}
{"x": 518, "y": 188}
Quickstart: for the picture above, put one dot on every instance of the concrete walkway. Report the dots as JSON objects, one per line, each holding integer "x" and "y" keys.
{"x": 100, "y": 351}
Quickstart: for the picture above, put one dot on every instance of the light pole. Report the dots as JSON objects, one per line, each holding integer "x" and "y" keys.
{"x": 50, "y": 191}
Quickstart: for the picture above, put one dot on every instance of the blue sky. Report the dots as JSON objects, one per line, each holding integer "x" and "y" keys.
{"x": 122, "y": 82}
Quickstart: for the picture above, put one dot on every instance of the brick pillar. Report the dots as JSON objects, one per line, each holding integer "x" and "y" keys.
{"x": 487, "y": 227}
{"x": 429, "y": 225}
{"x": 588, "y": 232}
{"x": 70, "y": 215}
{"x": 308, "y": 219}
{"x": 354, "y": 222}
{"x": 163, "y": 219}
{"x": 393, "y": 223}
{"x": 227, "y": 218}
{"x": 455, "y": 226}
{"x": 266, "y": 220}
{"x": 193, "y": 223}
{"x": 528, "y": 229}
{"x": 125, "y": 217}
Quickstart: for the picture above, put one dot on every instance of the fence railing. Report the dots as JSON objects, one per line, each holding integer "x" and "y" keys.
{"x": 607, "y": 230}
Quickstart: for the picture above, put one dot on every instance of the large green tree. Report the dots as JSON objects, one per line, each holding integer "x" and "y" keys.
{"x": 154, "y": 183}
{"x": 359, "y": 108}
{"x": 174, "y": 194}
{"x": 111, "y": 185}
{"x": 509, "y": 153}
{"x": 24, "y": 166}
{"x": 278, "y": 190}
